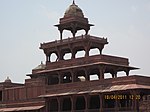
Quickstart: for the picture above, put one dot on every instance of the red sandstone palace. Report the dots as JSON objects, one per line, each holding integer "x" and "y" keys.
{"x": 66, "y": 85}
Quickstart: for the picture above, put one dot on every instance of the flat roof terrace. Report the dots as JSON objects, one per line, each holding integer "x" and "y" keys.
{"x": 74, "y": 40}
{"x": 105, "y": 59}
{"x": 103, "y": 86}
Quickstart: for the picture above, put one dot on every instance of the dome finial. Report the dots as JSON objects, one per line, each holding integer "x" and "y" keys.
{"x": 8, "y": 80}
{"x": 73, "y": 2}
{"x": 41, "y": 62}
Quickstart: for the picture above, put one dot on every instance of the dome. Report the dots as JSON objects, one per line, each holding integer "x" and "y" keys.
{"x": 73, "y": 10}
{"x": 8, "y": 80}
{"x": 41, "y": 66}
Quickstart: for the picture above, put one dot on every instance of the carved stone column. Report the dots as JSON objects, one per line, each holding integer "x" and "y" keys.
{"x": 86, "y": 51}
{"x": 59, "y": 77}
{"x": 86, "y": 97}
{"x": 47, "y": 58}
{"x": 101, "y": 102}
{"x": 73, "y": 53}
{"x": 133, "y": 94}
{"x": 101, "y": 71}
{"x": 127, "y": 72}
{"x": 47, "y": 105}
{"x": 116, "y": 103}
{"x": 87, "y": 48}
{"x": 86, "y": 74}
{"x": 114, "y": 73}
{"x": 61, "y": 31}
{"x": 72, "y": 75}
{"x": 73, "y": 102}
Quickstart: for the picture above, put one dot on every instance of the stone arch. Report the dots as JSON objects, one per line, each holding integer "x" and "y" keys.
{"x": 67, "y": 56}
{"x": 80, "y": 103}
{"x": 67, "y": 77}
{"x": 53, "y": 104}
{"x": 107, "y": 75}
{"x": 66, "y": 104}
{"x": 94, "y": 51}
{"x": 94, "y": 74}
{"x": 53, "y": 57}
{"x": 109, "y": 101}
{"x": 79, "y": 51}
{"x": 94, "y": 102}
{"x": 80, "y": 54}
{"x": 53, "y": 79}
{"x": 80, "y": 76}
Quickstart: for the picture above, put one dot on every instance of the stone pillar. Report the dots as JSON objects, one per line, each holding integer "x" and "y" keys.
{"x": 72, "y": 75}
{"x": 101, "y": 102}
{"x": 87, "y": 30}
{"x": 127, "y": 72}
{"x": 86, "y": 75}
{"x": 73, "y": 30}
{"x": 73, "y": 54}
{"x": 101, "y": 49}
{"x": 60, "y": 105}
{"x": 61, "y": 31}
{"x": 59, "y": 55}
{"x": 87, "y": 46}
{"x": 114, "y": 73}
{"x": 60, "y": 78}
{"x": 47, "y": 58}
{"x": 86, "y": 97}
{"x": 47, "y": 105}
{"x": 132, "y": 97}
{"x": 86, "y": 51}
{"x": 116, "y": 103}
{"x": 73, "y": 101}
{"x": 101, "y": 71}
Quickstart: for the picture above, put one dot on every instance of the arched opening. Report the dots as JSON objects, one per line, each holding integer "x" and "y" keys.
{"x": 94, "y": 102}
{"x": 53, "y": 79}
{"x": 109, "y": 101}
{"x": 126, "y": 100}
{"x": 66, "y": 104}
{"x": 94, "y": 77}
{"x": 67, "y": 34}
{"x": 94, "y": 51}
{"x": 80, "y": 54}
{"x": 53, "y": 105}
{"x": 80, "y": 103}
{"x": 80, "y": 76}
{"x": 80, "y": 33}
{"x": 107, "y": 75}
{"x": 121, "y": 74}
{"x": 67, "y": 78}
{"x": 67, "y": 56}
{"x": 53, "y": 57}
{"x": 94, "y": 74}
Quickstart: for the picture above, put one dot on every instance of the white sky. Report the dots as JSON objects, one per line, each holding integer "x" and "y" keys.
{"x": 24, "y": 24}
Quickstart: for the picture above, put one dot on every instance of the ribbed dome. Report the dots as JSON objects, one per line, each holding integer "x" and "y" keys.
{"x": 73, "y": 10}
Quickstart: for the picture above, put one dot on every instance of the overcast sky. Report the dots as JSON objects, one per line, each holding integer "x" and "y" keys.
{"x": 24, "y": 24}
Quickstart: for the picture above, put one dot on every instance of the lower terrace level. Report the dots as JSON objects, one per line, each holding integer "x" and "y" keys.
{"x": 109, "y": 102}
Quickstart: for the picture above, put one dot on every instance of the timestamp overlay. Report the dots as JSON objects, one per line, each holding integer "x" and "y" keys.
{"x": 122, "y": 97}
